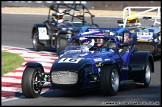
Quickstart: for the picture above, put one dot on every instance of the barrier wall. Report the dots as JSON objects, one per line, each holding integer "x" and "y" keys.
{"x": 120, "y": 5}
{"x": 97, "y": 5}
{"x": 88, "y": 4}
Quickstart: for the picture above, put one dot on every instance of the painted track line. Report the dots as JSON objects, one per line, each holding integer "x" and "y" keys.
{"x": 11, "y": 82}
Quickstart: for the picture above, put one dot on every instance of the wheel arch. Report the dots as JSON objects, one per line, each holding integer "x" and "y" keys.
{"x": 33, "y": 30}
{"x": 112, "y": 62}
{"x": 35, "y": 65}
{"x": 139, "y": 59}
{"x": 62, "y": 35}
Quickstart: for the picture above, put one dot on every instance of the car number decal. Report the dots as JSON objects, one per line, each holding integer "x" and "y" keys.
{"x": 42, "y": 30}
{"x": 43, "y": 33}
{"x": 144, "y": 34}
{"x": 69, "y": 60}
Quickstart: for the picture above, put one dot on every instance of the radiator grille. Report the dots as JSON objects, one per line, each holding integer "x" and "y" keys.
{"x": 64, "y": 77}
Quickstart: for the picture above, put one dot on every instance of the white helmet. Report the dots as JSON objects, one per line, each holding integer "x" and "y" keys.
{"x": 87, "y": 46}
{"x": 58, "y": 16}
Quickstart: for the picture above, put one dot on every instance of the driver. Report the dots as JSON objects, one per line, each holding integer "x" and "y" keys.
{"x": 132, "y": 18}
{"x": 86, "y": 43}
{"x": 127, "y": 37}
{"x": 58, "y": 17}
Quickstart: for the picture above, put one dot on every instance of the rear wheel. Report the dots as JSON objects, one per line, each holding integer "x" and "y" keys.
{"x": 159, "y": 38}
{"x": 36, "y": 43}
{"x": 32, "y": 82}
{"x": 109, "y": 83}
{"x": 147, "y": 77}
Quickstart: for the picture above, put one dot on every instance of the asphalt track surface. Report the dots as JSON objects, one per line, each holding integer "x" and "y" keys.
{"x": 16, "y": 31}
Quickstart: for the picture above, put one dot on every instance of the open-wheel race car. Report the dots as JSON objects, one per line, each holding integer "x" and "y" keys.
{"x": 146, "y": 26}
{"x": 95, "y": 58}
{"x": 63, "y": 21}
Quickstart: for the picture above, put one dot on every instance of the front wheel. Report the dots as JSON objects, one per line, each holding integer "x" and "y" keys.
{"x": 110, "y": 80}
{"x": 61, "y": 45}
{"x": 32, "y": 82}
{"x": 36, "y": 43}
{"x": 159, "y": 38}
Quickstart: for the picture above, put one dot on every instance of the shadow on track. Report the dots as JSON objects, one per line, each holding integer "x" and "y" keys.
{"x": 157, "y": 57}
{"x": 127, "y": 89}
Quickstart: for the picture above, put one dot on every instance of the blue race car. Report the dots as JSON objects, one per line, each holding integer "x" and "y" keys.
{"x": 94, "y": 58}
{"x": 148, "y": 39}
{"x": 146, "y": 26}
{"x": 63, "y": 20}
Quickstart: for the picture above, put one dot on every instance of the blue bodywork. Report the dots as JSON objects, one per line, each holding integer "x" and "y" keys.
{"x": 88, "y": 64}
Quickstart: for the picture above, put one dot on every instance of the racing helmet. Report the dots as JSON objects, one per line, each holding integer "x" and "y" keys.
{"x": 58, "y": 16}
{"x": 87, "y": 42}
{"x": 127, "y": 37}
{"x": 99, "y": 42}
{"x": 132, "y": 18}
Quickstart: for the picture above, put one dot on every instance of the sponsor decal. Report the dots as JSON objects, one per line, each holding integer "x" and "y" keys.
{"x": 83, "y": 54}
{"x": 98, "y": 64}
{"x": 89, "y": 32}
{"x": 97, "y": 59}
{"x": 107, "y": 59}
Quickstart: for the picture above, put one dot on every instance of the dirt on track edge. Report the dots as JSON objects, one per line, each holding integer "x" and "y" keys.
{"x": 44, "y": 11}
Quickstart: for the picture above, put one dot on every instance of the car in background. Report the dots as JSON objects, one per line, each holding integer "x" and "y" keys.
{"x": 146, "y": 26}
{"x": 94, "y": 58}
{"x": 63, "y": 21}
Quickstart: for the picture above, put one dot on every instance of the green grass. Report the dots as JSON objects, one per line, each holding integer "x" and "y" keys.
{"x": 10, "y": 61}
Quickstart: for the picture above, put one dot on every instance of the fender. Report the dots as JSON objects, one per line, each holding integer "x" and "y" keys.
{"x": 138, "y": 60}
{"x": 62, "y": 35}
{"x": 64, "y": 64}
{"x": 137, "y": 63}
{"x": 35, "y": 65}
{"x": 108, "y": 62}
{"x": 113, "y": 62}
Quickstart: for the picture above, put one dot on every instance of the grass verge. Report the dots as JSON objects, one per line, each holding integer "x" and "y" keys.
{"x": 10, "y": 61}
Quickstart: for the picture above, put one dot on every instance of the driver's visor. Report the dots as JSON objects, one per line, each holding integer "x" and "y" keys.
{"x": 59, "y": 17}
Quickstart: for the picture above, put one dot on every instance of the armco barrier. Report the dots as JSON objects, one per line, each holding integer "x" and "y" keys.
{"x": 120, "y": 5}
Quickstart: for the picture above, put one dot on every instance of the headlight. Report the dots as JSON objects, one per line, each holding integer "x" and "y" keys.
{"x": 64, "y": 77}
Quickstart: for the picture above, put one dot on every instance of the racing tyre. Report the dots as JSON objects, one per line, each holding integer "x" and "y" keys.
{"x": 110, "y": 80}
{"x": 32, "y": 82}
{"x": 147, "y": 77}
{"x": 61, "y": 45}
{"x": 159, "y": 38}
{"x": 36, "y": 44}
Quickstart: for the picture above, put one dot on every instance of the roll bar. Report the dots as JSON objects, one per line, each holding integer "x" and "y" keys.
{"x": 142, "y": 12}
